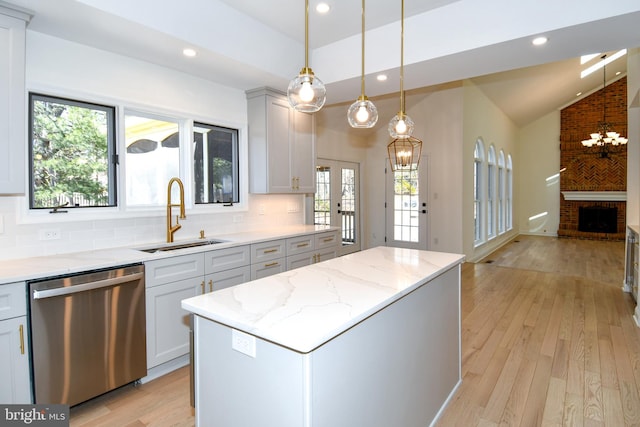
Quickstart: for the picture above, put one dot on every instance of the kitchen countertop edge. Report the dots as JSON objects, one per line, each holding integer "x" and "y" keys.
{"x": 35, "y": 268}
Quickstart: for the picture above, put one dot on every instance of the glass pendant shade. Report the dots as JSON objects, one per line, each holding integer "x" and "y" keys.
{"x": 404, "y": 153}
{"x": 401, "y": 126}
{"x": 362, "y": 113}
{"x": 306, "y": 92}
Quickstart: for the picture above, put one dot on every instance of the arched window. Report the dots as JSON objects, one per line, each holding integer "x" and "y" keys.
{"x": 491, "y": 193}
{"x": 509, "y": 195}
{"x": 478, "y": 191}
{"x": 501, "y": 193}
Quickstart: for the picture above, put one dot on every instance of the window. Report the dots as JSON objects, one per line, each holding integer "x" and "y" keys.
{"x": 478, "y": 155}
{"x": 509, "y": 193}
{"x": 152, "y": 159}
{"x": 74, "y": 157}
{"x": 322, "y": 200}
{"x": 491, "y": 193}
{"x": 215, "y": 164}
{"x": 71, "y": 153}
{"x": 501, "y": 193}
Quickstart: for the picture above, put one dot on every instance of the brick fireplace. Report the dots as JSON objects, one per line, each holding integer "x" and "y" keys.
{"x": 588, "y": 181}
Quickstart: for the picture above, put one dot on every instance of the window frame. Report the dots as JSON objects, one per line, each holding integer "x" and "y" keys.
{"x": 491, "y": 193}
{"x": 113, "y": 170}
{"x": 26, "y": 215}
{"x": 479, "y": 192}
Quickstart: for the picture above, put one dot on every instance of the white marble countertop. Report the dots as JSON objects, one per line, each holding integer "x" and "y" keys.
{"x": 303, "y": 308}
{"x": 17, "y": 270}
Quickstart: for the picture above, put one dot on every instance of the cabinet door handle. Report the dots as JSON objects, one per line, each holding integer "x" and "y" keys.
{"x": 211, "y": 285}
{"x": 314, "y": 258}
{"x": 21, "y": 339}
{"x": 327, "y": 239}
{"x": 302, "y": 245}
{"x": 318, "y": 258}
{"x": 202, "y": 286}
{"x": 271, "y": 264}
{"x": 268, "y": 251}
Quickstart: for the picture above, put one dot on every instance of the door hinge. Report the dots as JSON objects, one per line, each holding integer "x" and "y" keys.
{"x": 116, "y": 159}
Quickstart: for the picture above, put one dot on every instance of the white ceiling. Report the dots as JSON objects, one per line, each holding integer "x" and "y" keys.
{"x": 249, "y": 43}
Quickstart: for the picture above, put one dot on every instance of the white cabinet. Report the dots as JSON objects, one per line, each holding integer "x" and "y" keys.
{"x": 282, "y": 155}
{"x": 12, "y": 100}
{"x": 168, "y": 282}
{"x": 15, "y": 386}
{"x": 226, "y": 267}
{"x": 309, "y": 249}
{"x": 268, "y": 258}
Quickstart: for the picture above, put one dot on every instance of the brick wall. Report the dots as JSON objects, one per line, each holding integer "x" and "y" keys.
{"x": 585, "y": 169}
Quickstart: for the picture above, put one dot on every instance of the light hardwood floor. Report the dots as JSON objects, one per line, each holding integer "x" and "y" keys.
{"x": 548, "y": 339}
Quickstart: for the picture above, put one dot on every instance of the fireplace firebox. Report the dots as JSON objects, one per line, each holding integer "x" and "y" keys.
{"x": 598, "y": 219}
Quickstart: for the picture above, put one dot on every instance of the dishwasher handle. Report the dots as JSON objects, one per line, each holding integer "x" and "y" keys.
{"x": 68, "y": 290}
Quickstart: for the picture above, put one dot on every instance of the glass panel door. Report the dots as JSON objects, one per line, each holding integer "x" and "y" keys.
{"x": 406, "y": 207}
{"x": 337, "y": 200}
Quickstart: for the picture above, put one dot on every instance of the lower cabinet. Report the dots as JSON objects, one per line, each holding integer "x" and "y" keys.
{"x": 167, "y": 322}
{"x": 227, "y": 278}
{"x": 15, "y": 386}
{"x": 168, "y": 282}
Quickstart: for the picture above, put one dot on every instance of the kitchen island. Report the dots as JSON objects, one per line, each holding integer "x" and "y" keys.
{"x": 368, "y": 339}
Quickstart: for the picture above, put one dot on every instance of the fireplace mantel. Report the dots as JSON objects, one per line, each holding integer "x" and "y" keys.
{"x": 599, "y": 196}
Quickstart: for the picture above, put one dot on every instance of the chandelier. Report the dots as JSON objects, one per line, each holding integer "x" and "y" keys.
{"x": 404, "y": 151}
{"x": 606, "y": 140}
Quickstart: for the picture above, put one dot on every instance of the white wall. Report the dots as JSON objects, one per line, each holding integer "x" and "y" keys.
{"x": 633, "y": 129}
{"x": 482, "y": 119}
{"x": 437, "y": 114}
{"x": 539, "y": 183}
{"x": 58, "y": 67}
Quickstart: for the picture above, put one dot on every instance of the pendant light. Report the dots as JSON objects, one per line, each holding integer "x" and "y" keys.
{"x": 362, "y": 113}
{"x": 306, "y": 92}
{"x": 405, "y": 150}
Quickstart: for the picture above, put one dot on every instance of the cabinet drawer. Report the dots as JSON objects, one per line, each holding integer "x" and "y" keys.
{"x": 226, "y": 259}
{"x": 266, "y": 251}
{"x": 228, "y": 278}
{"x": 325, "y": 240}
{"x": 300, "y": 260}
{"x": 301, "y": 244}
{"x": 172, "y": 269}
{"x": 267, "y": 268}
{"x": 13, "y": 300}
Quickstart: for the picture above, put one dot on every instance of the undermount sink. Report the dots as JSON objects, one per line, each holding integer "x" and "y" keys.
{"x": 175, "y": 246}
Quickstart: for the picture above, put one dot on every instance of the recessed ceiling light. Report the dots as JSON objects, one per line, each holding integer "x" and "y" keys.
{"x": 381, "y": 77}
{"x": 539, "y": 41}
{"x": 323, "y": 8}
{"x": 189, "y": 52}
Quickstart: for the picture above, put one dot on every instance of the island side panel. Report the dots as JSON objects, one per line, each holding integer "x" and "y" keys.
{"x": 236, "y": 390}
{"x": 399, "y": 367}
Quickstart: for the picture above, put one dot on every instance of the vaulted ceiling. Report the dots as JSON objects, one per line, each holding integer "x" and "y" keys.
{"x": 247, "y": 43}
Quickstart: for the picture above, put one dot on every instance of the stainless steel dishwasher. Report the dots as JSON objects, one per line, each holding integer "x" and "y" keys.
{"x": 88, "y": 334}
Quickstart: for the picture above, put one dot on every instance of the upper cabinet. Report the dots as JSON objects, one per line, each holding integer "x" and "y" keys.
{"x": 12, "y": 100}
{"x": 282, "y": 154}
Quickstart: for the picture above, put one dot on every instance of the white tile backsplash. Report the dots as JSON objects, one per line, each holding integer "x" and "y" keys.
{"x": 21, "y": 240}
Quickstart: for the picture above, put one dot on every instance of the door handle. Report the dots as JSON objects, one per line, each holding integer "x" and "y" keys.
{"x": 424, "y": 211}
{"x": 67, "y": 290}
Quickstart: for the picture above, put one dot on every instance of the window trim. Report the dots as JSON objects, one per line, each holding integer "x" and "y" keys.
{"x": 25, "y": 215}
{"x": 112, "y": 150}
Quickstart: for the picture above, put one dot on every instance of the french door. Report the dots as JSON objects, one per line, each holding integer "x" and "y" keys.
{"x": 406, "y": 207}
{"x": 337, "y": 200}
